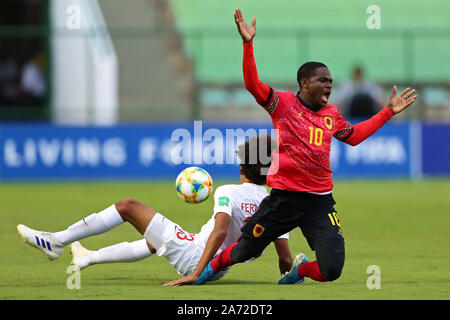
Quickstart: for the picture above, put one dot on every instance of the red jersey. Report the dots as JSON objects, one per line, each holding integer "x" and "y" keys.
{"x": 304, "y": 141}
{"x": 302, "y": 159}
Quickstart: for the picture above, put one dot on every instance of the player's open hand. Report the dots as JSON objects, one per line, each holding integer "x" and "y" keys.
{"x": 180, "y": 282}
{"x": 401, "y": 102}
{"x": 247, "y": 32}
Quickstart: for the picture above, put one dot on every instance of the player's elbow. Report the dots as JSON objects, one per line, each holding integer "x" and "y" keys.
{"x": 220, "y": 234}
{"x": 353, "y": 142}
{"x": 251, "y": 89}
{"x": 223, "y": 235}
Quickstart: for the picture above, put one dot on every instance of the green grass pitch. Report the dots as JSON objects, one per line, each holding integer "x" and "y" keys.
{"x": 401, "y": 226}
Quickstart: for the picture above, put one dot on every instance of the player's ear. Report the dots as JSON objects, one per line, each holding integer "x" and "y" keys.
{"x": 304, "y": 83}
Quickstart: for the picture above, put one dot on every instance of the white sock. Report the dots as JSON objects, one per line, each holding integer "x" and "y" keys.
{"x": 94, "y": 224}
{"x": 122, "y": 252}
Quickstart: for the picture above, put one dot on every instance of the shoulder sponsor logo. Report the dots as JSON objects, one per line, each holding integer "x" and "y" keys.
{"x": 224, "y": 201}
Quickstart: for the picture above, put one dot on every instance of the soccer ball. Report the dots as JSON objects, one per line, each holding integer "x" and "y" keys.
{"x": 194, "y": 185}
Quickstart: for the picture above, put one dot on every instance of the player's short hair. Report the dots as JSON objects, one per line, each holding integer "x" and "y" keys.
{"x": 255, "y": 158}
{"x": 307, "y": 70}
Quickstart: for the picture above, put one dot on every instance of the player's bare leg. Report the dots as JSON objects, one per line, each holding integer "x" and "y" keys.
{"x": 137, "y": 214}
{"x": 52, "y": 244}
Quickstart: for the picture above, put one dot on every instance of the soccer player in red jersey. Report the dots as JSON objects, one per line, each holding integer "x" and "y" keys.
{"x": 302, "y": 182}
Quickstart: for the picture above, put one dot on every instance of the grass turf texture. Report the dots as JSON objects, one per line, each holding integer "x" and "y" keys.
{"x": 401, "y": 226}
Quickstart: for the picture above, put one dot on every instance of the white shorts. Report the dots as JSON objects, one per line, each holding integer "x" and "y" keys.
{"x": 172, "y": 242}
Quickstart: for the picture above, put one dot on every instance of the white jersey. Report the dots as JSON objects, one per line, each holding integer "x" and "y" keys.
{"x": 183, "y": 250}
{"x": 240, "y": 201}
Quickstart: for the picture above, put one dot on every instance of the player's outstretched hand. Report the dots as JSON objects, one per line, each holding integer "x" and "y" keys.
{"x": 401, "y": 102}
{"x": 247, "y": 32}
{"x": 180, "y": 282}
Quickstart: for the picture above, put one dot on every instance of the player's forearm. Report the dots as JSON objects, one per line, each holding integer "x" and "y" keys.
{"x": 285, "y": 265}
{"x": 214, "y": 242}
{"x": 253, "y": 84}
{"x": 365, "y": 129}
{"x": 284, "y": 255}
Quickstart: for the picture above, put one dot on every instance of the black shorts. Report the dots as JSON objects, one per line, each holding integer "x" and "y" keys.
{"x": 282, "y": 211}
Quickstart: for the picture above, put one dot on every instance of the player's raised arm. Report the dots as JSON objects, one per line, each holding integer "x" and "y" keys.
{"x": 247, "y": 32}
{"x": 253, "y": 84}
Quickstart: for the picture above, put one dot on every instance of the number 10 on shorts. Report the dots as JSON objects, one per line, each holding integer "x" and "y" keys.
{"x": 334, "y": 219}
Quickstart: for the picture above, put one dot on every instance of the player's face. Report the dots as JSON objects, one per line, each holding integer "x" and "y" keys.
{"x": 319, "y": 86}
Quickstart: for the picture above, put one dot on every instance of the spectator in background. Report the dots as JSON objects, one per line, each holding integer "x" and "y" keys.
{"x": 9, "y": 88}
{"x": 33, "y": 81}
{"x": 358, "y": 97}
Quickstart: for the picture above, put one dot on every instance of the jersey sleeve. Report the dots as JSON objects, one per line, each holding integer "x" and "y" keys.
{"x": 272, "y": 101}
{"x": 264, "y": 95}
{"x": 284, "y": 236}
{"x": 356, "y": 134}
{"x": 260, "y": 91}
{"x": 365, "y": 129}
{"x": 343, "y": 128}
{"x": 222, "y": 201}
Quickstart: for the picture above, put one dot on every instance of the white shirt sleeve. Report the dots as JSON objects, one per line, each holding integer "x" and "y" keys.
{"x": 284, "y": 236}
{"x": 222, "y": 200}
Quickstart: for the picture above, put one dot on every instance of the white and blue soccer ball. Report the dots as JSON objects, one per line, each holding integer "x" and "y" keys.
{"x": 194, "y": 185}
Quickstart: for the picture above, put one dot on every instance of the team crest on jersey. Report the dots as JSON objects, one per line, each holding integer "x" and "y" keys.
{"x": 258, "y": 230}
{"x": 328, "y": 122}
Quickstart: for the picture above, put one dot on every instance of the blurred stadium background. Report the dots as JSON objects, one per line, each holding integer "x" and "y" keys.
{"x": 152, "y": 66}
{"x": 92, "y": 90}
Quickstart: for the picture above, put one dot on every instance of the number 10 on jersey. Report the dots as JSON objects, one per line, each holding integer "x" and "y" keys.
{"x": 315, "y": 136}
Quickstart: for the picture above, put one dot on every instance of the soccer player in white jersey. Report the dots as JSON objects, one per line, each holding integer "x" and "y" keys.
{"x": 188, "y": 253}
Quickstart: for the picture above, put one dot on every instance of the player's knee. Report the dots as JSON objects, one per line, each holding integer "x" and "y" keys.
{"x": 238, "y": 255}
{"x": 245, "y": 250}
{"x": 331, "y": 272}
{"x": 125, "y": 206}
{"x": 330, "y": 258}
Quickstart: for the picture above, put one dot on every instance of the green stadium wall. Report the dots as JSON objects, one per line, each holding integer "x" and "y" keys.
{"x": 412, "y": 44}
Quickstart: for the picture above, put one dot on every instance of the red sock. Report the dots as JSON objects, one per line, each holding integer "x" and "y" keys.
{"x": 311, "y": 270}
{"x": 223, "y": 260}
